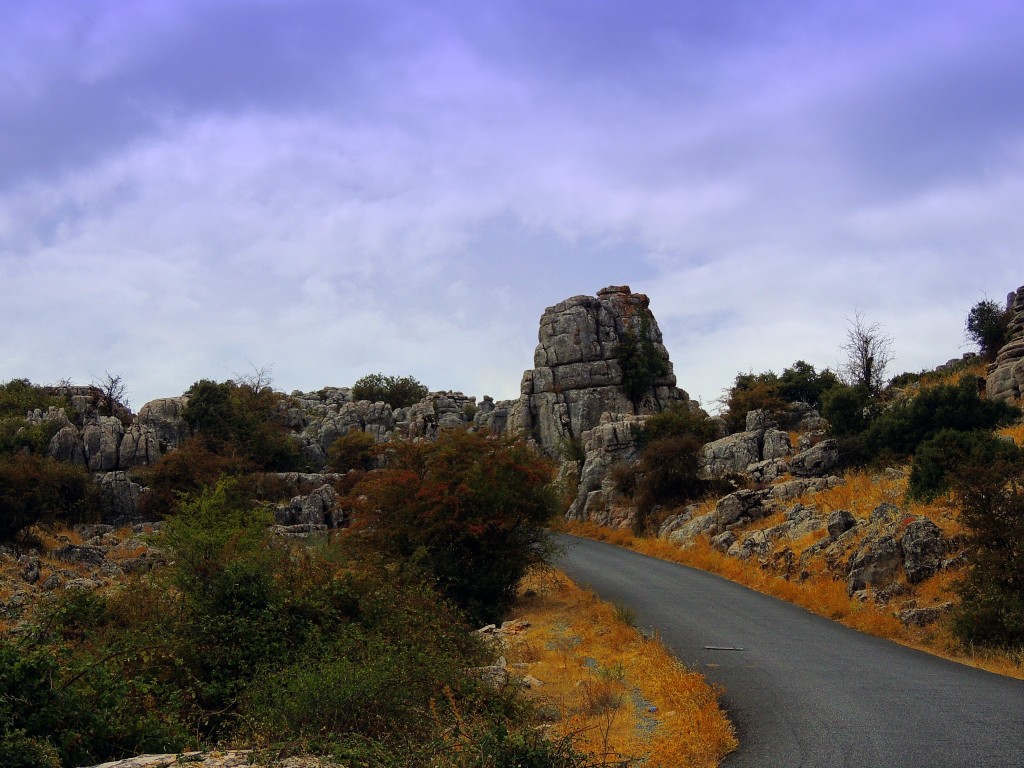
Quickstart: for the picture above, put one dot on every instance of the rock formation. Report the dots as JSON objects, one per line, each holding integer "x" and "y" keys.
{"x": 584, "y": 345}
{"x": 1006, "y": 375}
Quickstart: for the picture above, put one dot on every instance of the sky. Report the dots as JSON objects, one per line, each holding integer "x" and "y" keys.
{"x": 329, "y": 188}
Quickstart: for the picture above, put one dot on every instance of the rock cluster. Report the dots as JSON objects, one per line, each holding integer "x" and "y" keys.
{"x": 1006, "y": 375}
{"x": 577, "y": 375}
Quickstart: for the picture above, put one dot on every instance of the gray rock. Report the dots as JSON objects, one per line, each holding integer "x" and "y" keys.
{"x": 165, "y": 418}
{"x": 775, "y": 444}
{"x": 723, "y": 541}
{"x": 1006, "y": 375}
{"x": 764, "y": 472}
{"x": 695, "y": 526}
{"x": 759, "y": 421}
{"x": 83, "y": 585}
{"x": 922, "y": 617}
{"x": 140, "y": 446}
{"x": 74, "y": 553}
{"x": 817, "y": 461}
{"x": 67, "y": 446}
{"x": 839, "y": 522}
{"x": 121, "y": 495}
{"x": 612, "y": 441}
{"x": 876, "y": 563}
{"x": 30, "y": 569}
{"x": 739, "y": 505}
{"x": 102, "y": 439}
{"x": 732, "y": 454}
{"x": 923, "y": 550}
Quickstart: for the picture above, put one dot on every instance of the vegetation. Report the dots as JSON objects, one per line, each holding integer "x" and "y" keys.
{"x": 248, "y": 639}
{"x": 987, "y": 326}
{"x": 641, "y": 361}
{"x": 353, "y": 450}
{"x": 19, "y": 396}
{"x": 868, "y": 351}
{"x": 941, "y": 459}
{"x": 396, "y": 391}
{"x": 36, "y": 489}
{"x": 767, "y": 391}
{"x": 468, "y": 509}
{"x": 242, "y": 419}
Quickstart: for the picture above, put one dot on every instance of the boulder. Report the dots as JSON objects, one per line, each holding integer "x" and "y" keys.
{"x": 140, "y": 446}
{"x": 121, "y": 496}
{"x": 743, "y": 504}
{"x": 876, "y": 563}
{"x": 67, "y": 446}
{"x": 923, "y": 550}
{"x": 732, "y": 454}
{"x": 165, "y": 417}
{"x": 839, "y": 522}
{"x": 610, "y": 442}
{"x": 817, "y": 461}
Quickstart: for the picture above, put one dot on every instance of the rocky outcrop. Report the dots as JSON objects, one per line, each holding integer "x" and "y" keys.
{"x": 102, "y": 440}
{"x": 610, "y": 442}
{"x": 817, "y": 461}
{"x": 165, "y": 418}
{"x": 1006, "y": 375}
{"x": 578, "y": 373}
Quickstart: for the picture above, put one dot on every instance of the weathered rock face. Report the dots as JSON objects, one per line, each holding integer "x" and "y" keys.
{"x": 577, "y": 374}
{"x": 165, "y": 417}
{"x": 1006, "y": 375}
{"x": 611, "y": 441}
{"x": 102, "y": 439}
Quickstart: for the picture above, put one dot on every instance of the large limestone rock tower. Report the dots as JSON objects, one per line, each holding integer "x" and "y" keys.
{"x": 585, "y": 343}
{"x": 1006, "y": 374}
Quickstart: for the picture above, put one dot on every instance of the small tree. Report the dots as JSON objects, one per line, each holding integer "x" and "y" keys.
{"x": 112, "y": 393}
{"x": 868, "y": 351}
{"x": 987, "y": 325}
{"x": 640, "y": 360}
{"x": 396, "y": 391}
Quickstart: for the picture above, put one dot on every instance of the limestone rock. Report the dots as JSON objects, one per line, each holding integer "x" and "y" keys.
{"x": 732, "y": 454}
{"x": 740, "y": 505}
{"x": 67, "y": 446}
{"x": 922, "y": 617}
{"x": 139, "y": 446}
{"x": 577, "y": 376}
{"x": 610, "y": 442}
{"x": 102, "y": 439}
{"x": 876, "y": 563}
{"x": 122, "y": 496}
{"x": 1006, "y": 375}
{"x": 165, "y": 417}
{"x": 923, "y": 550}
{"x": 320, "y": 508}
{"x": 839, "y": 522}
{"x": 817, "y": 461}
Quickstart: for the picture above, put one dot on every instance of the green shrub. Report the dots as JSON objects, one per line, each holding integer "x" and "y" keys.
{"x": 396, "y": 391}
{"x": 939, "y": 459}
{"x": 677, "y": 421}
{"x": 846, "y": 409}
{"x": 640, "y": 360}
{"x": 17, "y": 435}
{"x": 19, "y": 396}
{"x": 988, "y": 326}
{"x": 907, "y": 423}
{"x": 991, "y": 608}
{"x": 37, "y": 489}
{"x": 353, "y": 450}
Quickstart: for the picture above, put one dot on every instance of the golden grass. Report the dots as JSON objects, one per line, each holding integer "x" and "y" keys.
{"x": 622, "y": 697}
{"x": 1015, "y": 431}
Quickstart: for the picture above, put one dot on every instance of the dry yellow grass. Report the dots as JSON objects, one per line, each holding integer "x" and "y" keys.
{"x": 1016, "y": 432}
{"x": 623, "y": 697}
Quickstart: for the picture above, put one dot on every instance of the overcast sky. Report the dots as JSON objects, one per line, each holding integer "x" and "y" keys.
{"x": 196, "y": 188}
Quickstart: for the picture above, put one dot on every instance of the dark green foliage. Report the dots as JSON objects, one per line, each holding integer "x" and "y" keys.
{"x": 801, "y": 383}
{"x": 470, "y": 509}
{"x": 37, "y": 489}
{"x": 243, "y": 419}
{"x": 751, "y": 392}
{"x": 353, "y": 450}
{"x": 676, "y": 421}
{"x": 991, "y": 608}
{"x": 941, "y": 458}
{"x": 499, "y": 747}
{"x": 846, "y": 409}
{"x": 641, "y": 361}
{"x": 906, "y": 424}
{"x": 396, "y": 391}
{"x": 17, "y": 435}
{"x": 766, "y": 391}
{"x": 987, "y": 326}
{"x": 19, "y": 396}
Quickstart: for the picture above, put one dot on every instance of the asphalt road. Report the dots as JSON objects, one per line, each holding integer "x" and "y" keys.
{"x": 802, "y": 690}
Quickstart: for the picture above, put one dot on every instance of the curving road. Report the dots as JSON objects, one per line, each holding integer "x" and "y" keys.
{"x": 805, "y": 691}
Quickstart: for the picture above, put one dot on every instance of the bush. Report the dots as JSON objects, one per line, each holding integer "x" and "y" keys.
{"x": 36, "y": 489}
{"x": 244, "y": 419}
{"x": 766, "y": 391}
{"x": 991, "y": 608}
{"x": 906, "y": 424}
{"x": 677, "y": 421}
{"x": 17, "y": 435}
{"x": 846, "y": 409}
{"x": 987, "y": 326}
{"x": 939, "y": 459}
{"x": 396, "y": 391}
{"x": 641, "y": 362}
{"x": 353, "y": 450}
{"x": 19, "y": 396}
{"x": 471, "y": 509}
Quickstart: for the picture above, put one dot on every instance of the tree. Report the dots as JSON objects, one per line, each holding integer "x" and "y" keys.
{"x": 470, "y": 509}
{"x": 987, "y": 326}
{"x": 868, "y": 351}
{"x": 396, "y": 391}
{"x": 112, "y": 393}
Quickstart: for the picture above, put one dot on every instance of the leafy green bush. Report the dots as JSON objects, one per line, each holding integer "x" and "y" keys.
{"x": 353, "y": 450}
{"x": 18, "y": 435}
{"x": 767, "y": 391}
{"x": 907, "y": 423}
{"x": 19, "y": 396}
{"x": 396, "y": 391}
{"x": 991, "y": 608}
{"x": 244, "y": 419}
{"x": 941, "y": 458}
{"x": 641, "y": 361}
{"x": 676, "y": 421}
{"x": 846, "y": 409}
{"x": 37, "y": 489}
{"x": 470, "y": 508}
{"x": 987, "y": 326}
